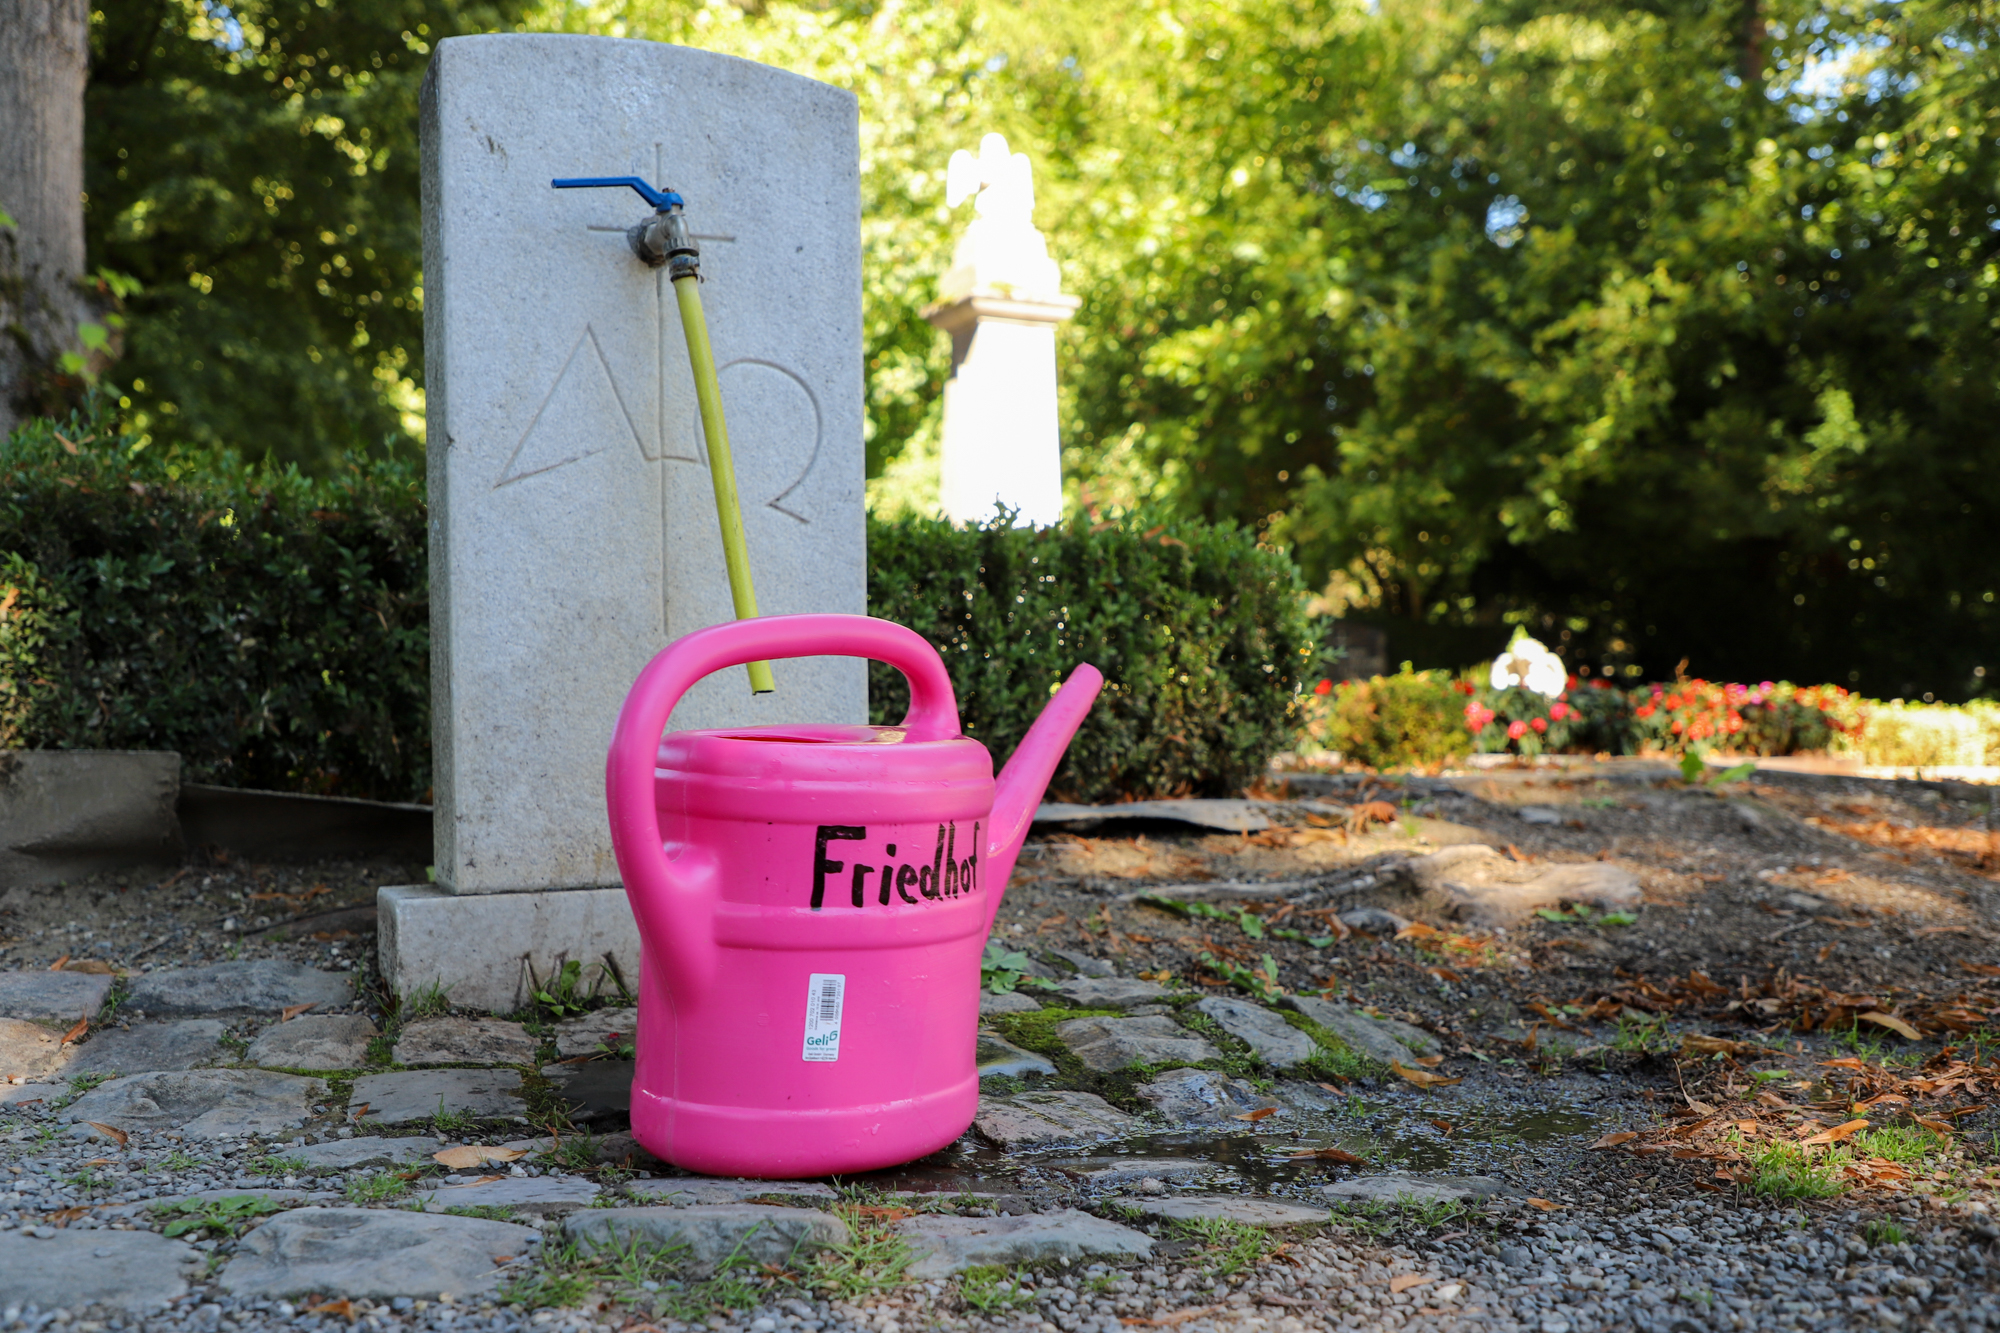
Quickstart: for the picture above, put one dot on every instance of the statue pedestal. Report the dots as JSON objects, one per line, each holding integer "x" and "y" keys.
{"x": 1000, "y": 442}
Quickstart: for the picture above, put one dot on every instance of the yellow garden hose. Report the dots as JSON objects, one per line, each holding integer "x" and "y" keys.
{"x": 721, "y": 465}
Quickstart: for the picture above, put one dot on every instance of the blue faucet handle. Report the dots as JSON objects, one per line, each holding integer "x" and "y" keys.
{"x": 657, "y": 198}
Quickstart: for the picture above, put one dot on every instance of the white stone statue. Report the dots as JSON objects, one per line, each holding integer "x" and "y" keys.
{"x": 1000, "y": 301}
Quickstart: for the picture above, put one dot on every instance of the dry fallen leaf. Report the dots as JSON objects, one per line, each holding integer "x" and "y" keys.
{"x": 95, "y": 967}
{"x": 1261, "y": 1113}
{"x": 98, "y": 1161}
{"x": 1330, "y": 1087}
{"x": 1429, "y": 1061}
{"x": 1404, "y": 1281}
{"x": 1894, "y": 1024}
{"x": 82, "y": 1026}
{"x": 885, "y": 1212}
{"x": 1696, "y": 1044}
{"x": 291, "y": 1011}
{"x": 1329, "y": 1155}
{"x": 343, "y": 1308}
{"x": 1981, "y": 969}
{"x": 1837, "y": 1133}
{"x": 116, "y": 1133}
{"x": 1542, "y": 1204}
{"x": 361, "y": 1110}
{"x": 1613, "y": 1140}
{"x": 1934, "y": 1126}
{"x": 1423, "y": 1078}
{"x": 471, "y": 1155}
{"x": 1444, "y": 1126}
{"x": 62, "y": 1217}
{"x": 57, "y": 965}
{"x": 468, "y": 1184}
{"x": 1700, "y": 1107}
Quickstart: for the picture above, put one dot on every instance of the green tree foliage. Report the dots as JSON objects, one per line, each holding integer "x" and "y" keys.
{"x": 1668, "y": 331}
{"x": 255, "y": 166}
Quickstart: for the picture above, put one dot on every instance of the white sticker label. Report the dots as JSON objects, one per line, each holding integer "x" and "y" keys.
{"x": 824, "y": 996}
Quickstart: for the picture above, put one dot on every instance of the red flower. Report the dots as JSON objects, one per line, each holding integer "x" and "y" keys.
{"x": 1645, "y": 710}
{"x": 1559, "y": 711}
{"x": 1673, "y": 702}
{"x": 1516, "y": 729}
{"x": 1324, "y": 687}
{"x": 1540, "y": 725}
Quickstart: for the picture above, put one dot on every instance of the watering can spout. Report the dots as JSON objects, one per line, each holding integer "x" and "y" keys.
{"x": 1019, "y": 787}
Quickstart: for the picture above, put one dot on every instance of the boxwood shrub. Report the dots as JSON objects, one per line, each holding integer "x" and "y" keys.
{"x": 1200, "y": 632}
{"x": 271, "y": 627}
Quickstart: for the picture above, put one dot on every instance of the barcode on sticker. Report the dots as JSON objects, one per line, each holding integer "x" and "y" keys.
{"x": 825, "y": 993}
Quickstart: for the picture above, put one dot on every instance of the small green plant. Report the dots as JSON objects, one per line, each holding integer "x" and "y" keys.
{"x": 1377, "y": 1217}
{"x": 1762, "y": 1076}
{"x": 225, "y": 1217}
{"x": 83, "y": 1083}
{"x": 452, "y": 1123}
{"x": 1229, "y": 1246}
{"x": 1243, "y": 919}
{"x": 578, "y": 1152}
{"x": 1884, "y": 1231}
{"x": 1642, "y": 1034}
{"x": 875, "y": 1255}
{"x": 178, "y": 1160}
{"x": 381, "y": 1051}
{"x": 1261, "y": 982}
{"x": 1002, "y": 970}
{"x": 993, "y": 1291}
{"x": 87, "y": 1179}
{"x": 379, "y": 1187}
{"x": 426, "y": 1001}
{"x": 1789, "y": 1171}
{"x": 1899, "y": 1143}
{"x": 492, "y": 1212}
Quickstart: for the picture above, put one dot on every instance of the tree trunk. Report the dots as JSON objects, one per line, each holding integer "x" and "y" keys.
{"x": 44, "y": 61}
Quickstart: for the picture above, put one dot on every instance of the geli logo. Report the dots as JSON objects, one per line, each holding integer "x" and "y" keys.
{"x": 828, "y": 1040}
{"x": 945, "y": 877}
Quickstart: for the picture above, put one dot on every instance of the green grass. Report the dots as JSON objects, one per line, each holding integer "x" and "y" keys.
{"x": 1884, "y": 1231}
{"x": 1789, "y": 1171}
{"x": 640, "y": 1276}
{"x": 1377, "y": 1217}
{"x": 1335, "y": 1059}
{"x": 272, "y": 1164}
{"x": 377, "y": 1188}
{"x": 1899, "y": 1143}
{"x": 874, "y": 1257}
{"x": 491, "y": 1211}
{"x": 1227, "y": 1247}
{"x": 180, "y": 1161}
{"x": 1642, "y": 1034}
{"x": 225, "y": 1217}
{"x": 993, "y": 1291}
{"x": 426, "y": 1001}
{"x": 83, "y": 1083}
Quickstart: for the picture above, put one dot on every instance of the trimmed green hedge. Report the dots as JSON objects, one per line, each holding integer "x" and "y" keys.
{"x": 1200, "y": 632}
{"x": 272, "y": 628}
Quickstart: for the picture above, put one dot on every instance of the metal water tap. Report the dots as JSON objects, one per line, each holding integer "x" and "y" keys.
{"x": 660, "y": 240}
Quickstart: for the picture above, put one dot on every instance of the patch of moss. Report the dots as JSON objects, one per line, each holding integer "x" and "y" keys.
{"x": 1335, "y": 1058}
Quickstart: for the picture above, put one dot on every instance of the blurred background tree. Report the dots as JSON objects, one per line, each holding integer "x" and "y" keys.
{"x": 1666, "y": 332}
{"x": 254, "y": 166}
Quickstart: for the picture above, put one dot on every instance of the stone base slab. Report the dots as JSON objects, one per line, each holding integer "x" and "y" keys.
{"x": 487, "y": 950}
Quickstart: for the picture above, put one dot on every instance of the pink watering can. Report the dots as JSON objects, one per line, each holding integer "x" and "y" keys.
{"x": 812, "y": 904}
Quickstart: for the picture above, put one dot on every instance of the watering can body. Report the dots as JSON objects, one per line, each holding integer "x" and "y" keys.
{"x": 812, "y": 903}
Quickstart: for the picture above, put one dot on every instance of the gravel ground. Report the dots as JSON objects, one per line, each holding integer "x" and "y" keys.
{"x": 1784, "y": 893}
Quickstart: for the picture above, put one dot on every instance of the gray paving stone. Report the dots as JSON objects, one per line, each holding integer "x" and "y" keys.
{"x": 1116, "y": 1172}
{"x": 379, "y": 1254}
{"x": 1379, "y": 1039}
{"x": 203, "y": 1103}
{"x": 708, "y": 1190}
{"x": 1013, "y": 1002}
{"x": 465, "y": 1041}
{"x": 712, "y": 1232}
{"x": 1374, "y": 920}
{"x": 345, "y": 1154}
{"x": 532, "y": 1196}
{"x": 29, "y": 1049}
{"x": 420, "y": 1094}
{"x": 999, "y": 1057}
{"x": 1119, "y": 1043}
{"x": 1027, "y": 1119}
{"x": 1202, "y": 1096}
{"x": 1109, "y": 992}
{"x": 147, "y": 1047}
{"x": 52, "y": 996}
{"x": 1412, "y": 1189}
{"x": 587, "y": 1033}
{"x": 315, "y": 1041}
{"x": 32, "y": 1096}
{"x": 265, "y": 986}
{"x": 154, "y": 1208}
{"x": 1477, "y": 885}
{"x": 1250, "y": 1210}
{"x": 946, "y": 1245}
{"x": 126, "y": 1270}
{"x": 1086, "y": 965}
{"x": 1276, "y": 1042}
